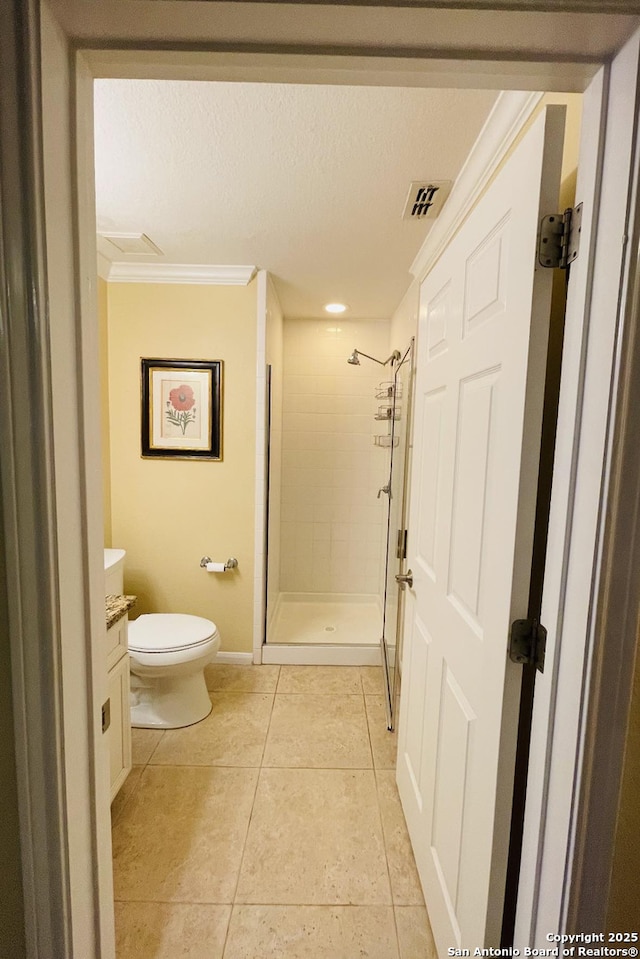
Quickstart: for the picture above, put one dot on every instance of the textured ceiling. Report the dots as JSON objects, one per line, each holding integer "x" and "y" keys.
{"x": 308, "y": 182}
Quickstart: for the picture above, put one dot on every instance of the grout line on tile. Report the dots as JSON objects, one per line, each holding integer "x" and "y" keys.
{"x": 226, "y": 935}
{"x": 217, "y": 764}
{"x": 160, "y": 738}
{"x": 253, "y": 803}
{"x": 310, "y": 905}
{"x": 236, "y": 692}
{"x": 315, "y": 769}
{"x": 246, "y": 836}
{"x": 324, "y": 905}
{"x": 395, "y": 926}
{"x": 178, "y": 902}
{"x": 384, "y": 846}
{"x": 308, "y": 692}
{"x": 165, "y": 766}
{"x": 373, "y": 757}
{"x": 264, "y": 745}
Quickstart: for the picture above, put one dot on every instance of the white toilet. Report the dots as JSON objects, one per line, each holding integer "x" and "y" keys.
{"x": 167, "y": 656}
{"x": 168, "y": 653}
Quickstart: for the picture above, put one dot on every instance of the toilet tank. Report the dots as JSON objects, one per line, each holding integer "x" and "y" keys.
{"x": 114, "y": 571}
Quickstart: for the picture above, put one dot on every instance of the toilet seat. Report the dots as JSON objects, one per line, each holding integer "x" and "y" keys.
{"x": 169, "y": 633}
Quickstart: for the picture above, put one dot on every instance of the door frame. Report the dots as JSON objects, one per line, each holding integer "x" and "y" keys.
{"x": 28, "y": 524}
{"x": 74, "y": 832}
{"x": 583, "y": 563}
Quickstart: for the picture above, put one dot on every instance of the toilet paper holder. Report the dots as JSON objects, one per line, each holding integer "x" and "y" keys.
{"x": 232, "y": 563}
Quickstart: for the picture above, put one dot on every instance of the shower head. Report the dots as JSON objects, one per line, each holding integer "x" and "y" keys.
{"x": 354, "y": 359}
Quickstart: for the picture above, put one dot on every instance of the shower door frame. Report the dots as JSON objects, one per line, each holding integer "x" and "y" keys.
{"x": 391, "y": 684}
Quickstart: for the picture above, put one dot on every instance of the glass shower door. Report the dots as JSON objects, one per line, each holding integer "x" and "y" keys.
{"x": 400, "y": 403}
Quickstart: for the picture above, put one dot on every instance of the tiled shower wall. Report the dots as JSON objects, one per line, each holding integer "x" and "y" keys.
{"x": 332, "y": 521}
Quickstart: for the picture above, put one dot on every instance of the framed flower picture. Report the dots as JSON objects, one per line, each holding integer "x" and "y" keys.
{"x": 182, "y": 409}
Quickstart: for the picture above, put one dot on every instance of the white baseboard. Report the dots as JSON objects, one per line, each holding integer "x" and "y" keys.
{"x": 307, "y": 655}
{"x": 241, "y": 659}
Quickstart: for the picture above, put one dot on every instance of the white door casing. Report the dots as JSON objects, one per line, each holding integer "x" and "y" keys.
{"x": 482, "y": 340}
{"x": 73, "y": 345}
{"x": 596, "y": 299}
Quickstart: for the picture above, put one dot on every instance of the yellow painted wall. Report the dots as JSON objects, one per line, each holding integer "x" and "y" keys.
{"x": 169, "y": 513}
{"x": 103, "y": 332}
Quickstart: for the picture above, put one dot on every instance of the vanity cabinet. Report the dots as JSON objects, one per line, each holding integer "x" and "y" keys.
{"x": 119, "y": 732}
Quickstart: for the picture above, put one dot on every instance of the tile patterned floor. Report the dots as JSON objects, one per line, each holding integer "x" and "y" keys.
{"x": 272, "y": 829}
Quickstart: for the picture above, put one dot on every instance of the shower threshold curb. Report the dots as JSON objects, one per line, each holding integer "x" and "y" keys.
{"x": 305, "y": 654}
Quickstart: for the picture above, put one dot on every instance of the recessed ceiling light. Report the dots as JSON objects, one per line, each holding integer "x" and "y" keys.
{"x": 335, "y": 307}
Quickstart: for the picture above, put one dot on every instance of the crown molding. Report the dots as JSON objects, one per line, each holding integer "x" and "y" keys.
{"x": 190, "y": 273}
{"x": 511, "y": 111}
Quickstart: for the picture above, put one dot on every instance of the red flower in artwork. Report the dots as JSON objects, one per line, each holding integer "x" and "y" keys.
{"x": 182, "y": 397}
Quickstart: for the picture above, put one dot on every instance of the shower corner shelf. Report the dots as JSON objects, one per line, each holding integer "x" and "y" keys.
{"x": 386, "y": 413}
{"x": 385, "y": 440}
{"x": 384, "y": 391}
{"x": 388, "y": 390}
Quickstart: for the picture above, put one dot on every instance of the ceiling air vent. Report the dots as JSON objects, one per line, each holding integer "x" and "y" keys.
{"x": 138, "y": 243}
{"x": 425, "y": 199}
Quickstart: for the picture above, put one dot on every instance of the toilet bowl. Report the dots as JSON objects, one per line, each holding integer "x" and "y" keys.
{"x": 168, "y": 653}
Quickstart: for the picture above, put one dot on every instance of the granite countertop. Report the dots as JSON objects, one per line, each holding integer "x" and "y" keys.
{"x": 117, "y": 606}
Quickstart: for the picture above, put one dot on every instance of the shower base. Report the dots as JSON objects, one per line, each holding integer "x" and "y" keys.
{"x": 320, "y": 619}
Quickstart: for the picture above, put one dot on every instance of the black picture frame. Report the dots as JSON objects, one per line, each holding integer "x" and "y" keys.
{"x": 181, "y": 409}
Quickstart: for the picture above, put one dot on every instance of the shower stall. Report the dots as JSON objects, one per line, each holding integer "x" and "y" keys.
{"x": 334, "y": 420}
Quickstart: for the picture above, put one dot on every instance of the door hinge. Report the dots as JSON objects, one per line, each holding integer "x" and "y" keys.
{"x": 527, "y": 643}
{"x": 401, "y": 548}
{"x": 106, "y": 715}
{"x": 559, "y": 241}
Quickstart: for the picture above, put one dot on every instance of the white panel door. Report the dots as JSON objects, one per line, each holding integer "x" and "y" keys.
{"x": 483, "y": 328}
